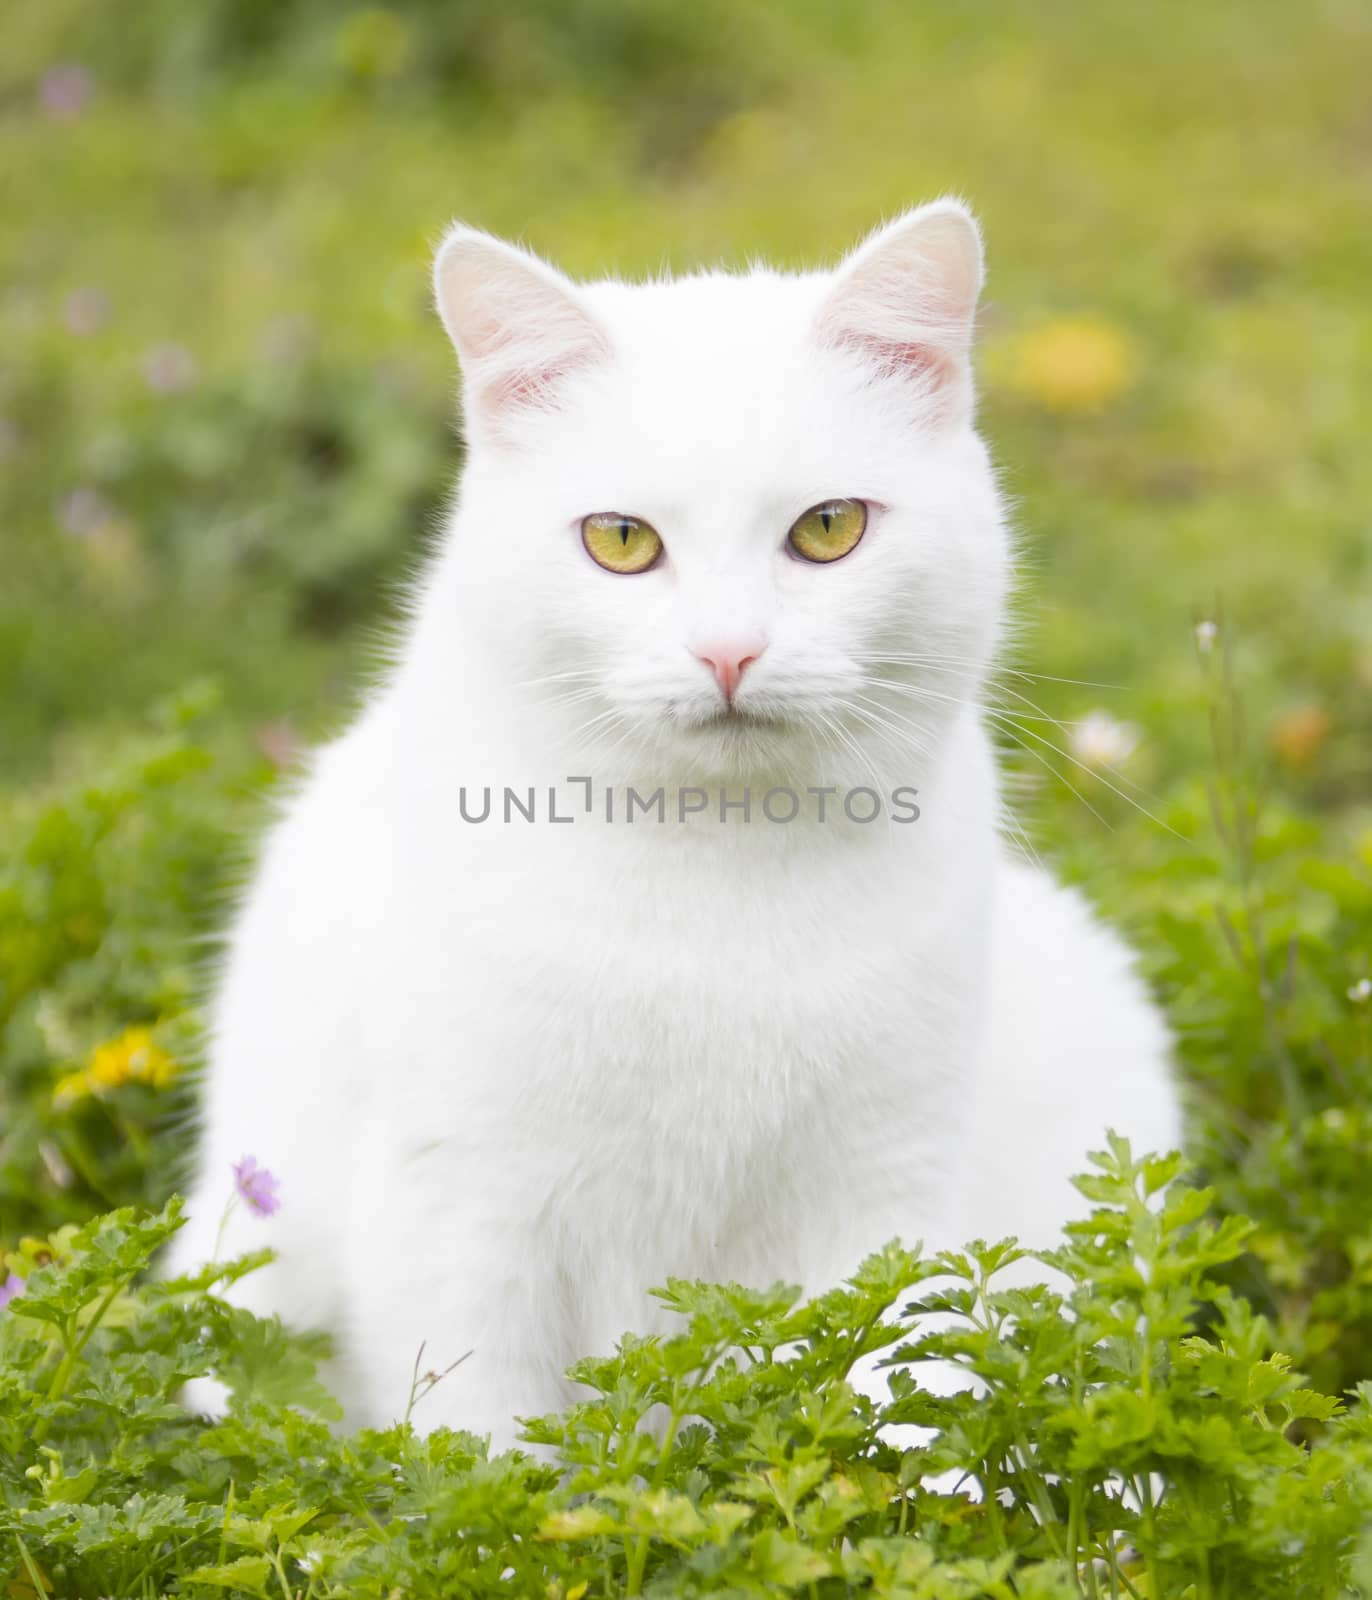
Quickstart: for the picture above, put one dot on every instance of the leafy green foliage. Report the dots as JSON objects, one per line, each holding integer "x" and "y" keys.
{"x": 1099, "y": 1447}
{"x": 1261, "y": 941}
{"x": 105, "y": 887}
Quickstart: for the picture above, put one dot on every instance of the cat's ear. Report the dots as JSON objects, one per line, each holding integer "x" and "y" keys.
{"x": 906, "y": 299}
{"x": 517, "y": 324}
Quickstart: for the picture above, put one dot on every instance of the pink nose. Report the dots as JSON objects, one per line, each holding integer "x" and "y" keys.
{"x": 729, "y": 661}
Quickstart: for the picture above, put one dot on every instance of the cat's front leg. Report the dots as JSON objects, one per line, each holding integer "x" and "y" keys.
{"x": 450, "y": 1307}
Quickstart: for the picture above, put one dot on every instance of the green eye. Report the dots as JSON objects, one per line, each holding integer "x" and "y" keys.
{"x": 830, "y": 531}
{"x": 619, "y": 543}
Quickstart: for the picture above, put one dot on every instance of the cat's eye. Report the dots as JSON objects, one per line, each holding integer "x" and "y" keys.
{"x": 828, "y": 531}
{"x": 619, "y": 543}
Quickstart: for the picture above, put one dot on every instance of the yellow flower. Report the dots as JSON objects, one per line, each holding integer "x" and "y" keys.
{"x": 1073, "y": 363}
{"x": 131, "y": 1058}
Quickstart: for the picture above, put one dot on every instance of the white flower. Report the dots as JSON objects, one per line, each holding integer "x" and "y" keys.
{"x": 1206, "y": 634}
{"x": 1098, "y": 740}
{"x": 1361, "y": 991}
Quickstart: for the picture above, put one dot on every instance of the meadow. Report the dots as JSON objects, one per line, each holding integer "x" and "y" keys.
{"x": 227, "y": 430}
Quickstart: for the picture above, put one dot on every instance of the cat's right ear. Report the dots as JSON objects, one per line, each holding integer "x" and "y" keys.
{"x": 905, "y": 301}
{"x": 516, "y": 323}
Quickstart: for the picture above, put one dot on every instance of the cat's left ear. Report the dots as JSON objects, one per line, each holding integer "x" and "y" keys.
{"x": 906, "y": 300}
{"x": 517, "y": 324}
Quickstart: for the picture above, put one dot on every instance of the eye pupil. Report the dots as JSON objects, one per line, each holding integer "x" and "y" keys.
{"x": 620, "y": 543}
{"x": 829, "y": 531}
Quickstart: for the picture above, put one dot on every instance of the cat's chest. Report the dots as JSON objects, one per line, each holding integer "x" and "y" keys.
{"x": 573, "y": 971}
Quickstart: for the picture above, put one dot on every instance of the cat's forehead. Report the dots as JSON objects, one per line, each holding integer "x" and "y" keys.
{"x": 692, "y": 321}
{"x": 717, "y": 376}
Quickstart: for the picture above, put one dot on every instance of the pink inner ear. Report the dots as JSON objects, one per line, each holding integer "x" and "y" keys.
{"x": 912, "y": 334}
{"x": 906, "y": 300}
{"x": 485, "y": 337}
{"x": 518, "y": 328}
{"x": 519, "y": 389}
{"x": 532, "y": 386}
{"x": 533, "y": 383}
{"x": 488, "y": 335}
{"x": 896, "y": 358}
{"x": 519, "y": 363}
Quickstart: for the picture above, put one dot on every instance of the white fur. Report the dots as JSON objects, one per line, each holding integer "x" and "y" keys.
{"x": 510, "y": 1075}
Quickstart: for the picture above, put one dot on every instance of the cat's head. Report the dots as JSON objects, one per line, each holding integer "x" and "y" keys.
{"x": 729, "y": 522}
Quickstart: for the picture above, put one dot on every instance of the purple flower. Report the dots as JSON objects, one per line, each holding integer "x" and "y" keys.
{"x": 83, "y": 513}
{"x": 65, "y": 92}
{"x": 257, "y": 1185}
{"x": 169, "y": 368}
{"x": 10, "y": 1289}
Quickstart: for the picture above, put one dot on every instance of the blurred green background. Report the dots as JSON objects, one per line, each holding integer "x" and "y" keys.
{"x": 225, "y": 404}
{"x": 226, "y": 431}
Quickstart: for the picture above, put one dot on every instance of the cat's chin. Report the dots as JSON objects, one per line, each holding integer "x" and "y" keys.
{"x": 731, "y": 723}
{"x": 738, "y": 735}
{"x": 738, "y": 746}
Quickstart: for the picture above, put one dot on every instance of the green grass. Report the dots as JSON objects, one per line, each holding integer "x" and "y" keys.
{"x": 185, "y": 569}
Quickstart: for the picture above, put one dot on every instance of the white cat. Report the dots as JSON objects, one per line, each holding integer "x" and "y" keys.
{"x": 713, "y": 534}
